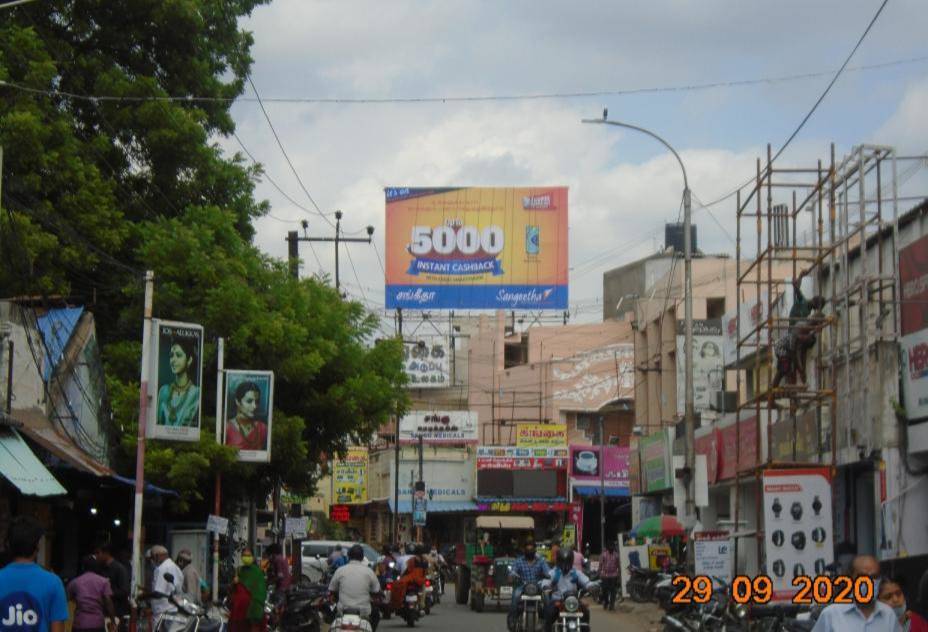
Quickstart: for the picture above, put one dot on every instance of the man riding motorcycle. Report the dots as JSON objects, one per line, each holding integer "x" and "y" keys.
{"x": 355, "y": 584}
{"x": 528, "y": 568}
{"x": 562, "y": 579}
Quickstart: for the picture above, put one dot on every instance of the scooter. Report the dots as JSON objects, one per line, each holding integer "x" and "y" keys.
{"x": 189, "y": 616}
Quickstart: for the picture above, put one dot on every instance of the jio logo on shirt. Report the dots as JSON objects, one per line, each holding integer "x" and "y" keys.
{"x": 19, "y": 611}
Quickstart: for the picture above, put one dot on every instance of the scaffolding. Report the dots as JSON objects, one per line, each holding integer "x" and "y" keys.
{"x": 813, "y": 221}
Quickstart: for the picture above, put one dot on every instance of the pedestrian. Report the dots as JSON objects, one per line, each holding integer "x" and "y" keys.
{"x": 120, "y": 581}
{"x": 93, "y": 598}
{"x": 31, "y": 598}
{"x": 552, "y": 553}
{"x": 167, "y": 579}
{"x": 609, "y": 574}
{"x": 278, "y": 570}
{"x": 337, "y": 558}
{"x": 578, "y": 560}
{"x": 892, "y": 595}
{"x": 249, "y": 590}
{"x": 868, "y": 614}
{"x": 191, "y": 584}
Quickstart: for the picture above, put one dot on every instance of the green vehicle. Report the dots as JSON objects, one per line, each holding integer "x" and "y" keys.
{"x": 484, "y": 567}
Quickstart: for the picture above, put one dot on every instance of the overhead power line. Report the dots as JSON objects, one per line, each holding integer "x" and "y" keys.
{"x": 541, "y": 96}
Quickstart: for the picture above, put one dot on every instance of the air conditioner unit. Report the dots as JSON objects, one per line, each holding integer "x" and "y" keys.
{"x": 725, "y": 401}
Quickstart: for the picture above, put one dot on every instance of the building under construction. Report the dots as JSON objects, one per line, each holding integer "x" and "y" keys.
{"x": 820, "y": 384}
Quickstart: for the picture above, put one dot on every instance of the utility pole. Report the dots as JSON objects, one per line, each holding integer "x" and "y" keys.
{"x": 420, "y": 485}
{"x": 396, "y": 456}
{"x": 293, "y": 240}
{"x": 602, "y": 487}
{"x": 217, "y": 500}
{"x": 140, "y": 444}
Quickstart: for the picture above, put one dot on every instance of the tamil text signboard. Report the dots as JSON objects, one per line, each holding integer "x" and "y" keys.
{"x": 541, "y": 436}
{"x": 476, "y": 248}
{"x": 350, "y": 477}
{"x": 427, "y": 362}
{"x": 511, "y": 458}
{"x": 587, "y": 468}
{"x": 439, "y": 426}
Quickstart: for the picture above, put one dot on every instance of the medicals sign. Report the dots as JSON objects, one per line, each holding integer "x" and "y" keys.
{"x": 476, "y": 248}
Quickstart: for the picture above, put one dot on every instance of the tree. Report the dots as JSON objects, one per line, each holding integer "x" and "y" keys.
{"x": 97, "y": 190}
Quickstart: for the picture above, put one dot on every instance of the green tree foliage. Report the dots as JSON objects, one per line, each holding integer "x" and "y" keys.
{"x": 96, "y": 190}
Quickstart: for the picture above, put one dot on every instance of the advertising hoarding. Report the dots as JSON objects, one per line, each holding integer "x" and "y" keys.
{"x": 476, "y": 248}
{"x": 713, "y": 553}
{"x": 427, "y": 362}
{"x": 177, "y": 378}
{"x": 349, "y": 478}
{"x": 249, "y": 408}
{"x": 797, "y": 526}
{"x": 913, "y": 277}
{"x": 585, "y": 465}
{"x": 541, "y": 435}
{"x": 708, "y": 371}
{"x": 496, "y": 457}
{"x": 439, "y": 426}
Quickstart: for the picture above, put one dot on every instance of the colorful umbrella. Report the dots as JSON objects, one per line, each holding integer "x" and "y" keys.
{"x": 658, "y": 527}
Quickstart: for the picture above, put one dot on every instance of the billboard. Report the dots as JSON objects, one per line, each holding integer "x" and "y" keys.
{"x": 913, "y": 277}
{"x": 476, "y": 248}
{"x": 585, "y": 465}
{"x": 797, "y": 526}
{"x": 708, "y": 372}
{"x": 427, "y": 362}
{"x": 249, "y": 408}
{"x": 541, "y": 435}
{"x": 177, "y": 378}
{"x": 439, "y": 426}
{"x": 349, "y": 480}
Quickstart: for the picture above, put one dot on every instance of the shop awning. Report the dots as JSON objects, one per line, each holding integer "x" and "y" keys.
{"x": 149, "y": 488}
{"x": 458, "y": 506}
{"x": 20, "y": 466}
{"x": 610, "y": 492}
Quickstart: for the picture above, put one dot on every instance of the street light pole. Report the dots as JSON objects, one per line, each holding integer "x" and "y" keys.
{"x": 688, "y": 410}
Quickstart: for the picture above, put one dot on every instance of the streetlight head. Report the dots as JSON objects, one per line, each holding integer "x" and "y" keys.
{"x": 370, "y": 231}
{"x": 304, "y": 224}
{"x": 338, "y": 214}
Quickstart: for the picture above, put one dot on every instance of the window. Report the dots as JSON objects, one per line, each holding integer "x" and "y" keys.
{"x": 715, "y": 307}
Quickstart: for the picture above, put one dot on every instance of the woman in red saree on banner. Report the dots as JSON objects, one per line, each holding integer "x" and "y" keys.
{"x": 244, "y": 431}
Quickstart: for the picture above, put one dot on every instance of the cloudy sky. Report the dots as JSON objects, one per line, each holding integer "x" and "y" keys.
{"x": 623, "y": 186}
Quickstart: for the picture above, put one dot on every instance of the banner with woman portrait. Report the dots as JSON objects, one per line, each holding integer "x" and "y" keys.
{"x": 176, "y": 381}
{"x": 248, "y": 409}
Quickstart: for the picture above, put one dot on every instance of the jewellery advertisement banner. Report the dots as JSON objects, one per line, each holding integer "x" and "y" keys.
{"x": 176, "y": 381}
{"x": 249, "y": 408}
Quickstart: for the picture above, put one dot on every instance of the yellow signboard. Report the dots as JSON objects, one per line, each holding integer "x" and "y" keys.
{"x": 541, "y": 436}
{"x": 350, "y": 478}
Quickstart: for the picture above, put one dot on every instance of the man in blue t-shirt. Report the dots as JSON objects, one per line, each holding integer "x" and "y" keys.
{"x": 31, "y": 598}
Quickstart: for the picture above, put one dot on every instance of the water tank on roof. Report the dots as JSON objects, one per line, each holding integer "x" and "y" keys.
{"x": 673, "y": 237}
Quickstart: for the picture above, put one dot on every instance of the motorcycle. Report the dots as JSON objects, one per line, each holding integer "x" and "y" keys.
{"x": 530, "y": 609}
{"x": 572, "y": 614}
{"x": 389, "y": 575}
{"x": 189, "y": 616}
{"x": 641, "y": 583}
{"x": 411, "y": 609}
{"x": 297, "y": 609}
{"x": 428, "y": 596}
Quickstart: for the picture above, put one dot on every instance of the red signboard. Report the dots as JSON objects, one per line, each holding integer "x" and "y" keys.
{"x": 504, "y": 506}
{"x": 709, "y": 445}
{"x": 340, "y": 513}
{"x": 739, "y": 447}
{"x": 913, "y": 276}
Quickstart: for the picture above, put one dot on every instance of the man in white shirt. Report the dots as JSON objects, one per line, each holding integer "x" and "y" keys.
{"x": 355, "y": 583}
{"x": 869, "y": 616}
{"x": 164, "y": 565}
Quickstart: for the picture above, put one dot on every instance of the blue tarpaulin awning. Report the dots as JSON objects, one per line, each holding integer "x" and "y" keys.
{"x": 457, "y": 506}
{"x": 20, "y": 466}
{"x": 149, "y": 488}
{"x": 611, "y": 492}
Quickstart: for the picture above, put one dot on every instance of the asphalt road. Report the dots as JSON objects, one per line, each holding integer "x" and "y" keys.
{"x": 450, "y": 617}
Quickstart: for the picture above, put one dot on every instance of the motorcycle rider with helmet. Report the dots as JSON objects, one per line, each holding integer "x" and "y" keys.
{"x": 355, "y": 584}
{"x": 529, "y": 568}
{"x": 562, "y": 579}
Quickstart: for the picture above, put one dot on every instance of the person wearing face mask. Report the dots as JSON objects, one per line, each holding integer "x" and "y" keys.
{"x": 249, "y": 590}
{"x": 870, "y": 615}
{"x": 891, "y": 594}
{"x": 528, "y": 568}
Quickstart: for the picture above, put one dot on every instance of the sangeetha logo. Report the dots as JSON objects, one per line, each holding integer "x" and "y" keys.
{"x": 19, "y": 611}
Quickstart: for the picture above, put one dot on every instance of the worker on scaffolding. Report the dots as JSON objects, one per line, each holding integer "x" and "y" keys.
{"x": 793, "y": 346}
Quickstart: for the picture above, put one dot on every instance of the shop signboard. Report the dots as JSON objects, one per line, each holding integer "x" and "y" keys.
{"x": 476, "y": 248}
{"x": 350, "y": 478}
{"x": 713, "y": 554}
{"x": 708, "y": 370}
{"x": 797, "y": 526}
{"x": 655, "y": 462}
{"x": 446, "y": 481}
{"x": 427, "y": 362}
{"x": 634, "y": 470}
{"x": 913, "y": 277}
{"x": 541, "y": 435}
{"x": 585, "y": 465}
{"x": 176, "y": 381}
{"x": 738, "y": 447}
{"x": 439, "y": 427}
{"x": 515, "y": 458}
{"x": 340, "y": 513}
{"x": 508, "y": 506}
